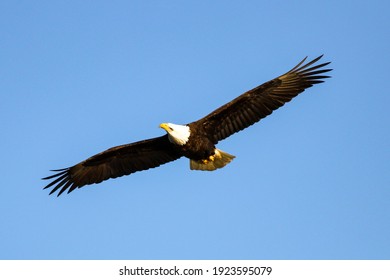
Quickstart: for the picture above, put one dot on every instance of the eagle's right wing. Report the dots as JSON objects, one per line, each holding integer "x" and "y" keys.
{"x": 255, "y": 104}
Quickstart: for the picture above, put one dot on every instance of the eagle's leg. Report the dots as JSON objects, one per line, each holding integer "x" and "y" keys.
{"x": 218, "y": 160}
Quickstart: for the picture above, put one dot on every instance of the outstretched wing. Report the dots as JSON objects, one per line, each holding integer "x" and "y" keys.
{"x": 253, "y": 105}
{"x": 114, "y": 162}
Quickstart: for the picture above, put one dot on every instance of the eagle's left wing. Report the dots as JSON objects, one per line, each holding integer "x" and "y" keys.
{"x": 114, "y": 162}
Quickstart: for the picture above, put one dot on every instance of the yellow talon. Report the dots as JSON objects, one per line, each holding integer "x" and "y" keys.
{"x": 218, "y": 160}
{"x": 210, "y": 158}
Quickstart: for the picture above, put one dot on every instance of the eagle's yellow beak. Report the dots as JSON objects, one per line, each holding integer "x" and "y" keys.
{"x": 165, "y": 126}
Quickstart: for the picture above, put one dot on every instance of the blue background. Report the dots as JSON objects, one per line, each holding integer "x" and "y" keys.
{"x": 311, "y": 181}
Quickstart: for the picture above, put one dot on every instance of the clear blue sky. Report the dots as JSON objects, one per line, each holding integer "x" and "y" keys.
{"x": 311, "y": 181}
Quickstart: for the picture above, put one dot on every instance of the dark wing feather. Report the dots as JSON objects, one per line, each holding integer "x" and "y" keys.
{"x": 114, "y": 162}
{"x": 261, "y": 101}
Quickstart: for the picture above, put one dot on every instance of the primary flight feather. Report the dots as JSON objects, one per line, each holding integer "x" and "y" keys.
{"x": 195, "y": 140}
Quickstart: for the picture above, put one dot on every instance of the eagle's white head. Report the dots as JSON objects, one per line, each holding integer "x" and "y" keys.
{"x": 177, "y": 134}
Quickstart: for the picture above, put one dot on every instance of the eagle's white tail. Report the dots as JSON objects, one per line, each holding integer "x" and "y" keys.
{"x": 218, "y": 160}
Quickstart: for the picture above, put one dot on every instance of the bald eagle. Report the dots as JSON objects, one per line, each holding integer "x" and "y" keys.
{"x": 195, "y": 140}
